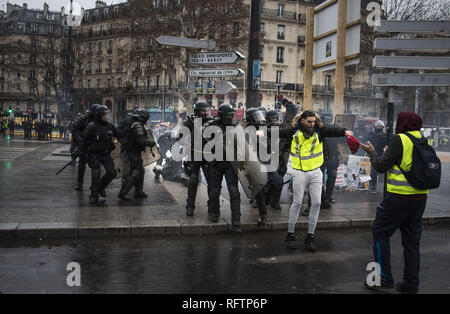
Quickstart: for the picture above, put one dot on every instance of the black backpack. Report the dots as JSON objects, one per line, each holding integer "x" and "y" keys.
{"x": 425, "y": 172}
{"x": 123, "y": 128}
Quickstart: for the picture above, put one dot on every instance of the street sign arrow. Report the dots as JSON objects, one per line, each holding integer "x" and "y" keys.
{"x": 228, "y": 57}
{"x": 186, "y": 42}
{"x": 413, "y": 80}
{"x": 210, "y": 87}
{"x": 224, "y": 87}
{"x": 215, "y": 72}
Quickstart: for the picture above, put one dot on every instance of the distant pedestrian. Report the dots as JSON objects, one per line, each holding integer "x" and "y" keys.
{"x": 11, "y": 128}
{"x": 379, "y": 140}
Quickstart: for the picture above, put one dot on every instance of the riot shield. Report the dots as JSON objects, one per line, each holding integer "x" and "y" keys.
{"x": 152, "y": 155}
{"x": 121, "y": 163}
{"x": 251, "y": 172}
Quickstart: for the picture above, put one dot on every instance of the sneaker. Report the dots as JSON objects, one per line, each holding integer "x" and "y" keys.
{"x": 401, "y": 288}
{"x": 309, "y": 243}
{"x": 385, "y": 285}
{"x": 331, "y": 200}
{"x": 289, "y": 242}
{"x": 262, "y": 220}
{"x": 189, "y": 211}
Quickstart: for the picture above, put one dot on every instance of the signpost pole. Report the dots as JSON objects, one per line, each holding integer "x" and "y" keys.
{"x": 307, "y": 93}
{"x": 340, "y": 57}
{"x": 253, "y": 53}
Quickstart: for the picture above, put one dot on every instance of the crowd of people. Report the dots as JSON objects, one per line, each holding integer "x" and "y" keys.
{"x": 305, "y": 138}
{"x": 41, "y": 130}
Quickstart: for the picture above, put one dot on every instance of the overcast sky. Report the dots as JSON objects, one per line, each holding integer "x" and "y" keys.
{"x": 55, "y": 5}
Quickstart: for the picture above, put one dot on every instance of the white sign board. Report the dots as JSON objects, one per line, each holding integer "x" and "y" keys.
{"x": 186, "y": 42}
{"x": 325, "y": 48}
{"x": 215, "y": 72}
{"x": 228, "y": 57}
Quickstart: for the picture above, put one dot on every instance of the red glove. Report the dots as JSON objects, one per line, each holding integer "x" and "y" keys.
{"x": 353, "y": 144}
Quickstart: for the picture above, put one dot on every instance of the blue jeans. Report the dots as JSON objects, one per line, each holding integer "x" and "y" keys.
{"x": 394, "y": 213}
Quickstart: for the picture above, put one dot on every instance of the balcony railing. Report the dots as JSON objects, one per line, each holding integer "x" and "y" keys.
{"x": 98, "y": 71}
{"x": 274, "y": 13}
{"x": 108, "y": 70}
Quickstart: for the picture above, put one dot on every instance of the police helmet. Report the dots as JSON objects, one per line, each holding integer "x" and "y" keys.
{"x": 100, "y": 111}
{"x": 201, "y": 109}
{"x": 263, "y": 110}
{"x": 273, "y": 117}
{"x": 226, "y": 113}
{"x": 141, "y": 115}
{"x": 255, "y": 116}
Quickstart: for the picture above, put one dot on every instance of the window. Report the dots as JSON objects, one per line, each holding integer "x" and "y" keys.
{"x": 102, "y": 29}
{"x": 236, "y": 29}
{"x": 110, "y": 44}
{"x": 138, "y": 64}
{"x": 157, "y": 81}
{"x": 35, "y": 28}
{"x": 119, "y": 82}
{"x": 280, "y": 54}
{"x": 261, "y": 52}
{"x": 280, "y": 9}
{"x": 20, "y": 27}
{"x": 98, "y": 83}
{"x": 281, "y": 31}
{"x": 328, "y": 81}
{"x": 88, "y": 83}
{"x": 99, "y": 68}
{"x": 109, "y": 64}
{"x": 99, "y": 47}
{"x": 51, "y": 29}
{"x": 116, "y": 10}
{"x": 90, "y": 67}
{"x": 109, "y": 82}
{"x": 263, "y": 27}
{"x": 136, "y": 82}
{"x": 348, "y": 83}
{"x": 279, "y": 77}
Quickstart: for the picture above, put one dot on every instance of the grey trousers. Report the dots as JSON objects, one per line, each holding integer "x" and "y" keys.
{"x": 311, "y": 180}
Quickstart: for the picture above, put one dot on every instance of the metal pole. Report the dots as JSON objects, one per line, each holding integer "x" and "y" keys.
{"x": 308, "y": 74}
{"x": 390, "y": 125}
{"x": 253, "y": 53}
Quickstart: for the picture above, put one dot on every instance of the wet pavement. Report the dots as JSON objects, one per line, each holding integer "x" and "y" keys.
{"x": 35, "y": 203}
{"x": 233, "y": 264}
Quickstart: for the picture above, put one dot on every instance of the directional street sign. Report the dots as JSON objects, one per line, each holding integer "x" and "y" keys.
{"x": 210, "y": 87}
{"x": 413, "y": 27}
{"x": 412, "y": 62}
{"x": 413, "y": 80}
{"x": 229, "y": 57}
{"x": 215, "y": 72}
{"x": 434, "y": 44}
{"x": 186, "y": 42}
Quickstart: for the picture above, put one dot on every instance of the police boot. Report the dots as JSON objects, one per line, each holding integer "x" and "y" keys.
{"x": 139, "y": 193}
{"x": 262, "y": 220}
{"x": 268, "y": 194}
{"x": 126, "y": 186}
{"x": 276, "y": 195}
{"x": 289, "y": 241}
{"x": 93, "y": 200}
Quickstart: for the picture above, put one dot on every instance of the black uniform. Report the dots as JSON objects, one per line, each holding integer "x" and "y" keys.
{"x": 99, "y": 137}
{"x": 192, "y": 168}
{"x": 137, "y": 141}
{"x": 79, "y": 145}
{"x": 217, "y": 170}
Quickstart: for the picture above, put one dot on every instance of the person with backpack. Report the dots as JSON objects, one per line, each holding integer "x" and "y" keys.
{"x": 412, "y": 168}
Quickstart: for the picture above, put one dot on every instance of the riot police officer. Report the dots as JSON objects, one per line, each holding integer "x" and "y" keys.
{"x": 255, "y": 117}
{"x": 217, "y": 169}
{"x": 99, "y": 138}
{"x": 79, "y": 127}
{"x": 192, "y": 167}
{"x": 275, "y": 184}
{"x": 137, "y": 142}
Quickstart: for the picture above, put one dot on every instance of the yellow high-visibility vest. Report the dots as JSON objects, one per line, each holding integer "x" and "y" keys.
{"x": 307, "y": 154}
{"x": 396, "y": 181}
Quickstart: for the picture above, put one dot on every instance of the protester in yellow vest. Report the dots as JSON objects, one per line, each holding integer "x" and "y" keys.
{"x": 306, "y": 134}
{"x": 403, "y": 206}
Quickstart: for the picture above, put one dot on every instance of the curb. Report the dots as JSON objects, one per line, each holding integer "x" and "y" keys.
{"x": 15, "y": 231}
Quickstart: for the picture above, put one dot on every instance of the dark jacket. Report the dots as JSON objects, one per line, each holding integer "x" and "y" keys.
{"x": 138, "y": 138}
{"x": 99, "y": 137}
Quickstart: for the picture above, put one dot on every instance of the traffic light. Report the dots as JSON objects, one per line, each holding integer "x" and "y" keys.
{"x": 10, "y": 110}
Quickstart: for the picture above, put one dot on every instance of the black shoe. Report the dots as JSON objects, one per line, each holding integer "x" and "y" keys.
{"x": 325, "y": 205}
{"x": 189, "y": 211}
{"x": 385, "y": 285}
{"x": 103, "y": 193}
{"x": 401, "y": 288}
{"x": 276, "y": 206}
{"x": 289, "y": 242}
{"x": 309, "y": 243}
{"x": 331, "y": 200}
{"x": 95, "y": 201}
{"x": 140, "y": 195}
{"x": 262, "y": 220}
{"x": 123, "y": 197}
{"x": 79, "y": 187}
{"x": 236, "y": 228}
{"x": 215, "y": 217}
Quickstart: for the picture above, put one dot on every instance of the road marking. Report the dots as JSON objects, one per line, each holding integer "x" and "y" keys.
{"x": 11, "y": 153}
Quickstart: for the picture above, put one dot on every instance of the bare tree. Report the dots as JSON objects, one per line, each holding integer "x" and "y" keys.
{"x": 416, "y": 10}
{"x": 225, "y": 21}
